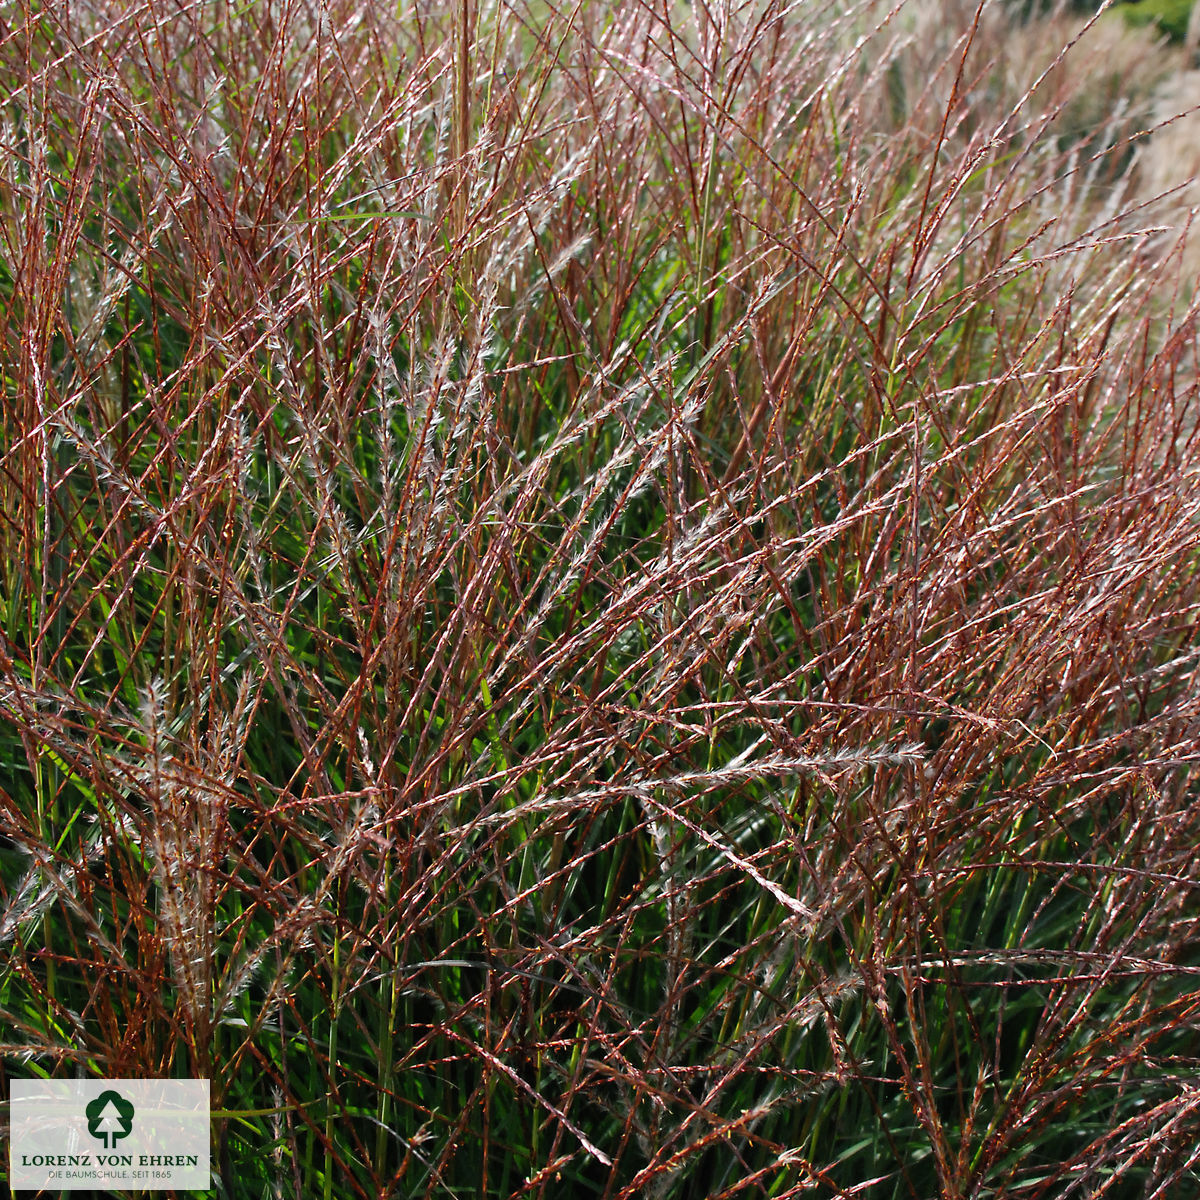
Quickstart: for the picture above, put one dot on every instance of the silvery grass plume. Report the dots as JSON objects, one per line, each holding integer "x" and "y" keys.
{"x": 183, "y": 833}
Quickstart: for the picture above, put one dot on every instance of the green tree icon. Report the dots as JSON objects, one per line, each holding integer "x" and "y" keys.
{"x": 109, "y": 1117}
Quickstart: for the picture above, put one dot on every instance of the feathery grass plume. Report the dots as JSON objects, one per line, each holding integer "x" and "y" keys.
{"x": 180, "y": 835}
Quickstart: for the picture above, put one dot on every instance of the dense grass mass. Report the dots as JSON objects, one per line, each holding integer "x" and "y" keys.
{"x": 601, "y": 600}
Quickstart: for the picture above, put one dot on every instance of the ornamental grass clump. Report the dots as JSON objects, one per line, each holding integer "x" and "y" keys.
{"x": 601, "y": 600}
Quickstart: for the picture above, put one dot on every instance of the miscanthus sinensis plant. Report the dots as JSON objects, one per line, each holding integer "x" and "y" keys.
{"x": 601, "y": 599}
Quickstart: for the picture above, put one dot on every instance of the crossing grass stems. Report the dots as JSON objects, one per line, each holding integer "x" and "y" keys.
{"x": 601, "y": 599}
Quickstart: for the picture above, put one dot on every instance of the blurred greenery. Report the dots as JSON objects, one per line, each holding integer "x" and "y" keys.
{"x": 1171, "y": 17}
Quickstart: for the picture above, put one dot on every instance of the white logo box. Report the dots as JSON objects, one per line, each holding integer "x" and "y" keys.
{"x": 72, "y": 1134}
